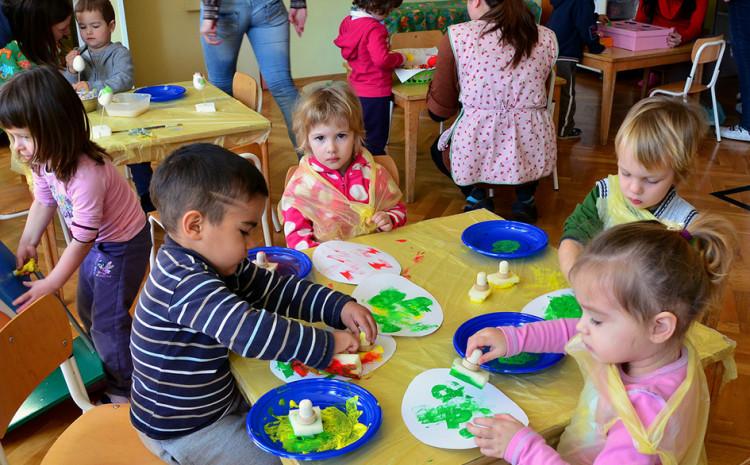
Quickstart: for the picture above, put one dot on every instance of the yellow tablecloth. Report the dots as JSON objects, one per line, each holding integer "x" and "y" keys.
{"x": 432, "y": 255}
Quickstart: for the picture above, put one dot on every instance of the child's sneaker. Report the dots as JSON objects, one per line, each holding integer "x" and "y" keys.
{"x": 524, "y": 212}
{"x": 574, "y": 133}
{"x": 736, "y": 132}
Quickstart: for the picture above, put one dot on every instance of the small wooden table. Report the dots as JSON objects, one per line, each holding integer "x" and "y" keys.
{"x": 614, "y": 59}
{"x": 412, "y": 98}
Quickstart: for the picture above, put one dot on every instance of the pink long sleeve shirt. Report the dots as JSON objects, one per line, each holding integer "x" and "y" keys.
{"x": 648, "y": 394}
{"x": 97, "y": 203}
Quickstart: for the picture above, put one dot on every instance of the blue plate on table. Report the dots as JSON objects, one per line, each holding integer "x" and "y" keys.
{"x": 163, "y": 93}
{"x": 322, "y": 393}
{"x": 504, "y": 239}
{"x": 291, "y": 262}
{"x": 492, "y": 320}
{"x": 11, "y": 287}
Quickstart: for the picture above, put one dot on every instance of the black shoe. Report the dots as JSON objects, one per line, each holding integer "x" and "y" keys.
{"x": 574, "y": 133}
{"x": 486, "y": 203}
{"x": 524, "y": 212}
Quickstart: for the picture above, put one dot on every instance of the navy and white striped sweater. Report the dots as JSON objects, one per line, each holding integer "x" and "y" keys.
{"x": 188, "y": 318}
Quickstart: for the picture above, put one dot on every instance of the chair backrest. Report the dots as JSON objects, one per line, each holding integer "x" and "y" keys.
{"x": 706, "y": 50}
{"x": 245, "y": 89}
{"x": 419, "y": 39}
{"x": 32, "y": 345}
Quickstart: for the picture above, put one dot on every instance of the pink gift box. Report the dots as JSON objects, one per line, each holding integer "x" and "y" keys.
{"x": 635, "y": 36}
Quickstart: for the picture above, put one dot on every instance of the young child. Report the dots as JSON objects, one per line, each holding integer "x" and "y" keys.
{"x": 204, "y": 298}
{"x": 494, "y": 69}
{"x": 655, "y": 146}
{"x": 363, "y": 40}
{"x": 645, "y": 398}
{"x": 37, "y": 27}
{"x": 338, "y": 190}
{"x": 574, "y": 24}
{"x": 111, "y": 241}
{"x": 107, "y": 63}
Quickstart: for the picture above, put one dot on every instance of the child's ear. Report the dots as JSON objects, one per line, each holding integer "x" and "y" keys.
{"x": 663, "y": 326}
{"x": 191, "y": 225}
{"x": 111, "y": 26}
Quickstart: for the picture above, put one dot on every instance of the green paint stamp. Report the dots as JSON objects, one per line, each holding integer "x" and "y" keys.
{"x": 456, "y": 408}
{"x": 393, "y": 312}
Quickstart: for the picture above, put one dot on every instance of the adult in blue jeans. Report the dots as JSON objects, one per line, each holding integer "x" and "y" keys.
{"x": 266, "y": 23}
{"x": 739, "y": 19}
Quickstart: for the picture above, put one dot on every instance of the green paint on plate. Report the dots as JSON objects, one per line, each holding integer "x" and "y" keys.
{"x": 505, "y": 246}
{"x": 521, "y": 359}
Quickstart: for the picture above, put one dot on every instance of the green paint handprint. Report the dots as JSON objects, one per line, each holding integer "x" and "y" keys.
{"x": 392, "y": 312}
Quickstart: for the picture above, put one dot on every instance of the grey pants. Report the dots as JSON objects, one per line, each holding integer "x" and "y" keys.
{"x": 224, "y": 442}
{"x": 566, "y": 69}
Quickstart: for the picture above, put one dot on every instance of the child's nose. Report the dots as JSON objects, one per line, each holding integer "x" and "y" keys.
{"x": 581, "y": 326}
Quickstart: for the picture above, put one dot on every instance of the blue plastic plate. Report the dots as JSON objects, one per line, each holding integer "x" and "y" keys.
{"x": 291, "y": 262}
{"x": 162, "y": 93}
{"x": 11, "y": 287}
{"x": 481, "y": 237}
{"x": 488, "y": 320}
{"x": 323, "y": 393}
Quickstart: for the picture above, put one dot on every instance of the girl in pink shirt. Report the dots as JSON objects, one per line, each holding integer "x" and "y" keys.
{"x": 645, "y": 397}
{"x": 50, "y": 132}
{"x": 338, "y": 191}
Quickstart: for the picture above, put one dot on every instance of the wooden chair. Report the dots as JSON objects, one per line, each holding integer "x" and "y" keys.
{"x": 706, "y": 50}
{"x": 419, "y": 39}
{"x": 33, "y": 345}
{"x": 246, "y": 89}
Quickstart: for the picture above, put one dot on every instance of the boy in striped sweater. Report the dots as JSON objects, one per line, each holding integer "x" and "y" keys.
{"x": 203, "y": 298}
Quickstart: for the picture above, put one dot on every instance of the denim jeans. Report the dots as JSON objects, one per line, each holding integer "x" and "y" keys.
{"x": 739, "y": 21}
{"x": 267, "y": 27}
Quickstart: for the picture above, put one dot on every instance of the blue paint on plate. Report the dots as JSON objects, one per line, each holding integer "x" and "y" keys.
{"x": 493, "y": 320}
{"x": 322, "y": 393}
{"x": 163, "y": 93}
{"x": 481, "y": 237}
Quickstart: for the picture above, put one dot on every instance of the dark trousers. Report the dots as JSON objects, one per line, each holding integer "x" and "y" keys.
{"x": 739, "y": 26}
{"x": 376, "y": 113}
{"x": 142, "y": 174}
{"x": 524, "y": 192}
{"x": 567, "y": 70}
{"x": 108, "y": 282}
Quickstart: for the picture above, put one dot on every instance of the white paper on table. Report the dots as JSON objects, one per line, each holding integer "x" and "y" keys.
{"x": 379, "y": 288}
{"x": 418, "y": 57}
{"x": 349, "y": 263}
{"x": 538, "y": 306}
{"x": 389, "y": 348}
{"x": 434, "y": 398}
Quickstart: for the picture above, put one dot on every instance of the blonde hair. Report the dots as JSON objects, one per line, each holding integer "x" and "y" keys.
{"x": 651, "y": 269}
{"x": 663, "y": 132}
{"x": 323, "y": 102}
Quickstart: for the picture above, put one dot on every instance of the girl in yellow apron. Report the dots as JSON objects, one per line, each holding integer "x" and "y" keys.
{"x": 338, "y": 191}
{"x": 645, "y": 398}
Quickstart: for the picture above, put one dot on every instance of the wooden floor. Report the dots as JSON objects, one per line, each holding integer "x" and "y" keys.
{"x": 721, "y": 166}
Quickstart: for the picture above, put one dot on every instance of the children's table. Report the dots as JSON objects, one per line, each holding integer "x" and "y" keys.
{"x": 431, "y": 255}
{"x": 614, "y": 59}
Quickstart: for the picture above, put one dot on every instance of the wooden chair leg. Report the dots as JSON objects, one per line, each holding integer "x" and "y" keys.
{"x": 49, "y": 248}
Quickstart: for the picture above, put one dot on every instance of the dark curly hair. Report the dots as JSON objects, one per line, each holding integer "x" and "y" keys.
{"x": 378, "y": 7}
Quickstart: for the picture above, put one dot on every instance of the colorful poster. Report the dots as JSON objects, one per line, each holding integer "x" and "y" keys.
{"x": 561, "y": 303}
{"x": 399, "y": 307}
{"x": 350, "y": 263}
{"x": 437, "y": 407}
{"x": 382, "y": 351}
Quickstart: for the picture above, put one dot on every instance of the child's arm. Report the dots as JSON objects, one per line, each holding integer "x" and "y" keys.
{"x": 567, "y": 255}
{"x": 586, "y": 25}
{"x": 397, "y": 215}
{"x": 377, "y": 45}
{"x": 442, "y": 97}
{"x": 120, "y": 78}
{"x": 298, "y": 230}
{"x": 579, "y": 228}
{"x": 539, "y": 337}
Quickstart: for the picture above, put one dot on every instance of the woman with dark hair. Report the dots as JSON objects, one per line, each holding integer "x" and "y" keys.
{"x": 685, "y": 16}
{"x": 37, "y": 27}
{"x": 494, "y": 68}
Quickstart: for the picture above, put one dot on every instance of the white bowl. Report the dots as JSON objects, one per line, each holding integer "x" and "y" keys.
{"x": 128, "y": 105}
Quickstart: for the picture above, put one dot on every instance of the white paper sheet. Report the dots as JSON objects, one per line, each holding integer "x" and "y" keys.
{"x": 436, "y": 408}
{"x": 400, "y": 307}
{"x": 418, "y": 57}
{"x": 386, "y": 342}
{"x": 349, "y": 263}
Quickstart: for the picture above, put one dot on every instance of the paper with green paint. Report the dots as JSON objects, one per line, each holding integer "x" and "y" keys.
{"x": 553, "y": 305}
{"x": 399, "y": 307}
{"x": 437, "y": 407}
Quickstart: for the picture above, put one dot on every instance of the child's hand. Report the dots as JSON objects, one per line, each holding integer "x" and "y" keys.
{"x": 69, "y": 59}
{"x": 674, "y": 39}
{"x": 357, "y": 318}
{"x": 382, "y": 220}
{"x": 344, "y": 342}
{"x": 604, "y": 19}
{"x": 24, "y": 253}
{"x": 493, "y": 434}
{"x": 81, "y": 86}
{"x": 38, "y": 289}
{"x": 488, "y": 337}
{"x": 208, "y": 31}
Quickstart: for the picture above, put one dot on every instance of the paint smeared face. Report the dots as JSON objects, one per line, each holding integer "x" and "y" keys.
{"x": 643, "y": 188}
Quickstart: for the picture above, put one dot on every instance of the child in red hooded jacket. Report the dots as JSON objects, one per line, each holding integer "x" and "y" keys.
{"x": 363, "y": 40}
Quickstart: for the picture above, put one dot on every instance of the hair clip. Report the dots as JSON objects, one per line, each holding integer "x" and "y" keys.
{"x": 686, "y": 234}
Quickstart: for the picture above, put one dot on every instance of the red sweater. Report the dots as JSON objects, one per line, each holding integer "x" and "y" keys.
{"x": 364, "y": 45}
{"x": 689, "y": 24}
